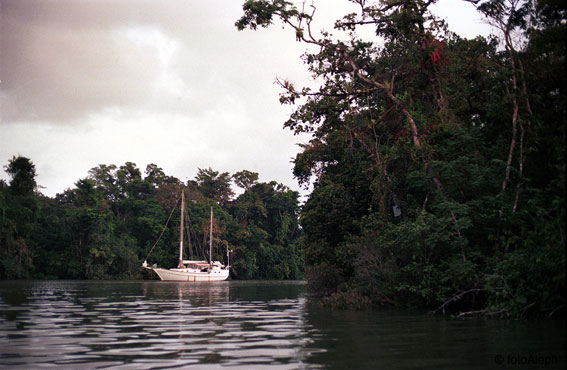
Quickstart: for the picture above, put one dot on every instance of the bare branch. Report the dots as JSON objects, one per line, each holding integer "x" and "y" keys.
{"x": 456, "y": 297}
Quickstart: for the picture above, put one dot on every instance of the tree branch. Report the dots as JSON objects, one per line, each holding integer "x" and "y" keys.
{"x": 456, "y": 297}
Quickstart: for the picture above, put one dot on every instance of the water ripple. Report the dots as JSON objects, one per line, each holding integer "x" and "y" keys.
{"x": 153, "y": 325}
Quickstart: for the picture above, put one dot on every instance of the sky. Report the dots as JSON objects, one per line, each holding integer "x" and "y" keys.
{"x": 169, "y": 82}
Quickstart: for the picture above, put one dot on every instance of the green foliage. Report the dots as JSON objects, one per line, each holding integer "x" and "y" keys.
{"x": 437, "y": 163}
{"x": 106, "y": 225}
{"x": 214, "y": 185}
{"x": 18, "y": 213}
{"x": 22, "y": 171}
{"x": 261, "y": 13}
{"x": 245, "y": 179}
{"x": 267, "y": 233}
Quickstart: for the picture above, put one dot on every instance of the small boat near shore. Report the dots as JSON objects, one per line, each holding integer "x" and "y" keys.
{"x": 193, "y": 271}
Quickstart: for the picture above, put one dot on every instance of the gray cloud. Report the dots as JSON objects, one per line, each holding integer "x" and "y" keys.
{"x": 63, "y": 59}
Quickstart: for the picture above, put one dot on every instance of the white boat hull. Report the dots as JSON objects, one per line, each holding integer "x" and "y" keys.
{"x": 186, "y": 275}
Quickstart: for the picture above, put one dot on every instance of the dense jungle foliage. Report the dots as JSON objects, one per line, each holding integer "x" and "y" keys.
{"x": 105, "y": 227}
{"x": 437, "y": 165}
{"x": 437, "y": 162}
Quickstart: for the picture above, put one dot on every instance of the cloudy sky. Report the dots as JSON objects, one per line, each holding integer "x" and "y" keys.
{"x": 170, "y": 82}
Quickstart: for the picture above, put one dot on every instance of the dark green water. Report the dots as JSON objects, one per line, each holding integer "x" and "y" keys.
{"x": 247, "y": 325}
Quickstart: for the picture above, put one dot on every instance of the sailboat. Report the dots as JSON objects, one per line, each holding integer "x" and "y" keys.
{"x": 193, "y": 271}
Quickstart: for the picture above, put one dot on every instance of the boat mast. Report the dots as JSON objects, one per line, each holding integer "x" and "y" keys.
{"x": 211, "y": 240}
{"x": 180, "y": 265}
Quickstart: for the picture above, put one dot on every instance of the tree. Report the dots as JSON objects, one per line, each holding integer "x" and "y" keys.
{"x": 22, "y": 171}
{"x": 18, "y": 212}
{"x": 214, "y": 185}
{"x": 412, "y": 156}
{"x": 245, "y": 179}
{"x": 105, "y": 226}
{"x": 364, "y": 104}
{"x": 267, "y": 237}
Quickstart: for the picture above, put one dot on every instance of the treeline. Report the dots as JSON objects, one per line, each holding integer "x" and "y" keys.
{"x": 106, "y": 225}
{"x": 438, "y": 162}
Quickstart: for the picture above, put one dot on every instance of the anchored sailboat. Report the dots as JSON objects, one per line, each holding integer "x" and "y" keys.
{"x": 193, "y": 271}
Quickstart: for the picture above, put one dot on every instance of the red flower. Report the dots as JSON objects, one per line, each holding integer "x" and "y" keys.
{"x": 434, "y": 54}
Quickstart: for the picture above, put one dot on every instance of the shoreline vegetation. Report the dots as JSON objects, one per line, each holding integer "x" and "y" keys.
{"x": 437, "y": 162}
{"x": 437, "y": 165}
{"x": 105, "y": 227}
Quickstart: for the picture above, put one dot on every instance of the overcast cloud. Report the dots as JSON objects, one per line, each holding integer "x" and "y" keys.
{"x": 170, "y": 82}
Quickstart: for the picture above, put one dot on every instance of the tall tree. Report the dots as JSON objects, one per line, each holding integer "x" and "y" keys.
{"x": 412, "y": 156}
{"x": 267, "y": 239}
{"x": 22, "y": 171}
{"x": 214, "y": 185}
{"x": 245, "y": 179}
{"x": 18, "y": 212}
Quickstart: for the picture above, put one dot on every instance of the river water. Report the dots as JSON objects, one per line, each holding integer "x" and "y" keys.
{"x": 247, "y": 325}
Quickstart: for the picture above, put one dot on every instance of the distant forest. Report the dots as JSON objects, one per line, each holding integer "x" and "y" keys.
{"x": 106, "y": 225}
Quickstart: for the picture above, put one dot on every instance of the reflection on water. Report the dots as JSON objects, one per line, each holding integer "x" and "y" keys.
{"x": 243, "y": 325}
{"x": 147, "y": 324}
